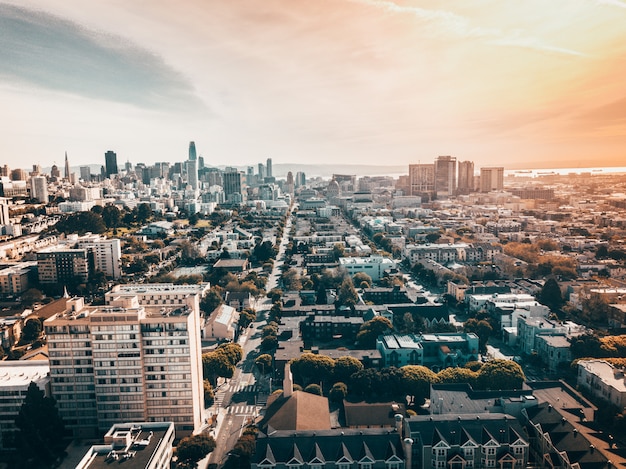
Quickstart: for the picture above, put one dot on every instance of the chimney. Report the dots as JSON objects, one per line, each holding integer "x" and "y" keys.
{"x": 288, "y": 381}
{"x": 398, "y": 418}
{"x": 408, "y": 453}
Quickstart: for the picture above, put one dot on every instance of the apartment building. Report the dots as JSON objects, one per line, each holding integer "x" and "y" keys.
{"x": 107, "y": 254}
{"x": 603, "y": 380}
{"x": 374, "y": 266}
{"x": 127, "y": 361}
{"x": 63, "y": 265}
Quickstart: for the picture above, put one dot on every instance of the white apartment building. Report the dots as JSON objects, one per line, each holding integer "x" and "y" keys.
{"x": 15, "y": 377}
{"x": 374, "y": 266}
{"x": 107, "y": 254}
{"x": 128, "y": 361}
{"x": 603, "y": 380}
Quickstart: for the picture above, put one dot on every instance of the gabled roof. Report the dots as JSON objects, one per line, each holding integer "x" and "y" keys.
{"x": 300, "y": 411}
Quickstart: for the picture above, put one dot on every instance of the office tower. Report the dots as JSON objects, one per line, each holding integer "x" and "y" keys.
{"x": 268, "y": 165}
{"x": 110, "y": 161}
{"x": 445, "y": 176}
{"x": 19, "y": 175}
{"x": 421, "y": 179}
{"x": 39, "y": 189}
{"x": 55, "y": 174}
{"x": 261, "y": 174}
{"x": 492, "y": 179}
{"x": 466, "y": 177}
{"x": 67, "y": 168}
{"x": 192, "y": 173}
{"x": 192, "y": 151}
{"x": 139, "y": 358}
{"x": 232, "y": 182}
{"x": 5, "y": 171}
{"x": 289, "y": 183}
{"x": 300, "y": 179}
{"x": 85, "y": 173}
{"x": 128, "y": 167}
{"x": 36, "y": 170}
{"x": 200, "y": 162}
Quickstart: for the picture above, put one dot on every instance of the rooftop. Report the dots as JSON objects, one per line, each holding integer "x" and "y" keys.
{"x": 19, "y": 373}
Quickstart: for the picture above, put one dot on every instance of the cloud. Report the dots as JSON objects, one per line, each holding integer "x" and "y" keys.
{"x": 450, "y": 23}
{"x": 615, "y": 3}
{"x": 40, "y": 49}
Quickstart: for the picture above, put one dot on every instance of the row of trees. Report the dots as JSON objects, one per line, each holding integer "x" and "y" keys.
{"x": 221, "y": 362}
{"x": 409, "y": 380}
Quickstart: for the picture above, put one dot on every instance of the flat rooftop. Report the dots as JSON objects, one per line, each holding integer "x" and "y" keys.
{"x": 19, "y": 374}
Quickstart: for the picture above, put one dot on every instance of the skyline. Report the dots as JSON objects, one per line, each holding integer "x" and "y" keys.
{"x": 350, "y": 81}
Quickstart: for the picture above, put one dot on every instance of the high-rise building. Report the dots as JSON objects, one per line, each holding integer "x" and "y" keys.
{"x": 110, "y": 161}
{"x": 4, "y": 211}
{"x": 192, "y": 173}
{"x": 39, "y": 189}
{"x": 67, "y": 168}
{"x": 421, "y": 179}
{"x": 63, "y": 265}
{"x": 269, "y": 171}
{"x": 139, "y": 358}
{"x": 262, "y": 173}
{"x": 192, "y": 151}
{"x": 445, "y": 176}
{"x": 491, "y": 179}
{"x": 107, "y": 254}
{"x": 300, "y": 179}
{"x": 85, "y": 173}
{"x": 466, "y": 177}
{"x": 232, "y": 182}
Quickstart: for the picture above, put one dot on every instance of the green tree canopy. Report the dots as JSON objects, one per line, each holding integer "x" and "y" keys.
{"x": 338, "y": 392}
{"x": 314, "y": 388}
{"x": 550, "y": 295}
{"x": 192, "y": 449}
{"x": 369, "y": 331}
{"x": 500, "y": 374}
{"x": 346, "y": 367}
{"x": 361, "y": 279}
{"x": 481, "y": 328}
{"x": 41, "y": 431}
{"x": 216, "y": 365}
{"x": 81, "y": 223}
{"x": 457, "y": 375}
{"x": 111, "y": 216}
{"x": 312, "y": 368}
{"x": 233, "y": 351}
{"x": 416, "y": 381}
{"x": 32, "y": 330}
{"x": 211, "y": 300}
{"x": 209, "y": 395}
{"x": 347, "y": 294}
{"x": 263, "y": 363}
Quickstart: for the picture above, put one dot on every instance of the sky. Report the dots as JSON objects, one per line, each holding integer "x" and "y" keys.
{"x": 512, "y": 83}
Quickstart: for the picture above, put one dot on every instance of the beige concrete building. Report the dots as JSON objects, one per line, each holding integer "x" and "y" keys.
{"x": 128, "y": 361}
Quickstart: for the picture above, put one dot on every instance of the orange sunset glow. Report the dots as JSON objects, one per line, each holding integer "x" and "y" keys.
{"x": 524, "y": 84}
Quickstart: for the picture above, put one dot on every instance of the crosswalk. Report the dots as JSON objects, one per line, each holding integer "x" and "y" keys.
{"x": 242, "y": 387}
{"x": 244, "y": 409}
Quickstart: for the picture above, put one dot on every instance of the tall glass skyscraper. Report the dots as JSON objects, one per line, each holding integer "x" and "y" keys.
{"x": 110, "y": 160}
{"x": 192, "y": 151}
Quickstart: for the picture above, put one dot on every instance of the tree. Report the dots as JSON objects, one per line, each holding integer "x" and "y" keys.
{"x": 32, "y": 330}
{"x": 211, "y": 300}
{"x": 263, "y": 251}
{"x": 41, "y": 431}
{"x": 111, "y": 216}
{"x": 144, "y": 213}
{"x": 246, "y": 317}
{"x": 362, "y": 280}
{"x": 416, "y": 381}
{"x": 192, "y": 449}
{"x": 275, "y": 294}
{"x": 481, "y": 328}
{"x": 263, "y": 363}
{"x": 596, "y": 308}
{"x": 457, "y": 375}
{"x": 269, "y": 342}
{"x": 346, "y": 367}
{"x": 369, "y": 331}
{"x": 347, "y": 294}
{"x": 234, "y": 352}
{"x": 500, "y": 374}
{"x": 314, "y": 388}
{"x": 216, "y": 365}
{"x": 550, "y": 295}
{"x": 338, "y": 392}
{"x": 312, "y": 368}
{"x": 209, "y": 395}
{"x": 81, "y": 222}
{"x": 31, "y": 296}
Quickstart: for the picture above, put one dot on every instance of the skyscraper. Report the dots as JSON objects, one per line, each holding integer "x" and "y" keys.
{"x": 421, "y": 179}
{"x": 466, "y": 177}
{"x": 67, "y": 168}
{"x": 192, "y": 173}
{"x": 491, "y": 179}
{"x": 85, "y": 173}
{"x": 268, "y": 170}
{"x": 110, "y": 160}
{"x": 39, "y": 189}
{"x": 192, "y": 151}
{"x": 445, "y": 176}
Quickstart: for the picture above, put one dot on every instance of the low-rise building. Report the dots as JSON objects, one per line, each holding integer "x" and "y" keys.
{"x": 374, "y": 266}
{"x": 145, "y": 445}
{"x": 435, "y": 351}
{"x": 222, "y": 323}
{"x": 603, "y": 380}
